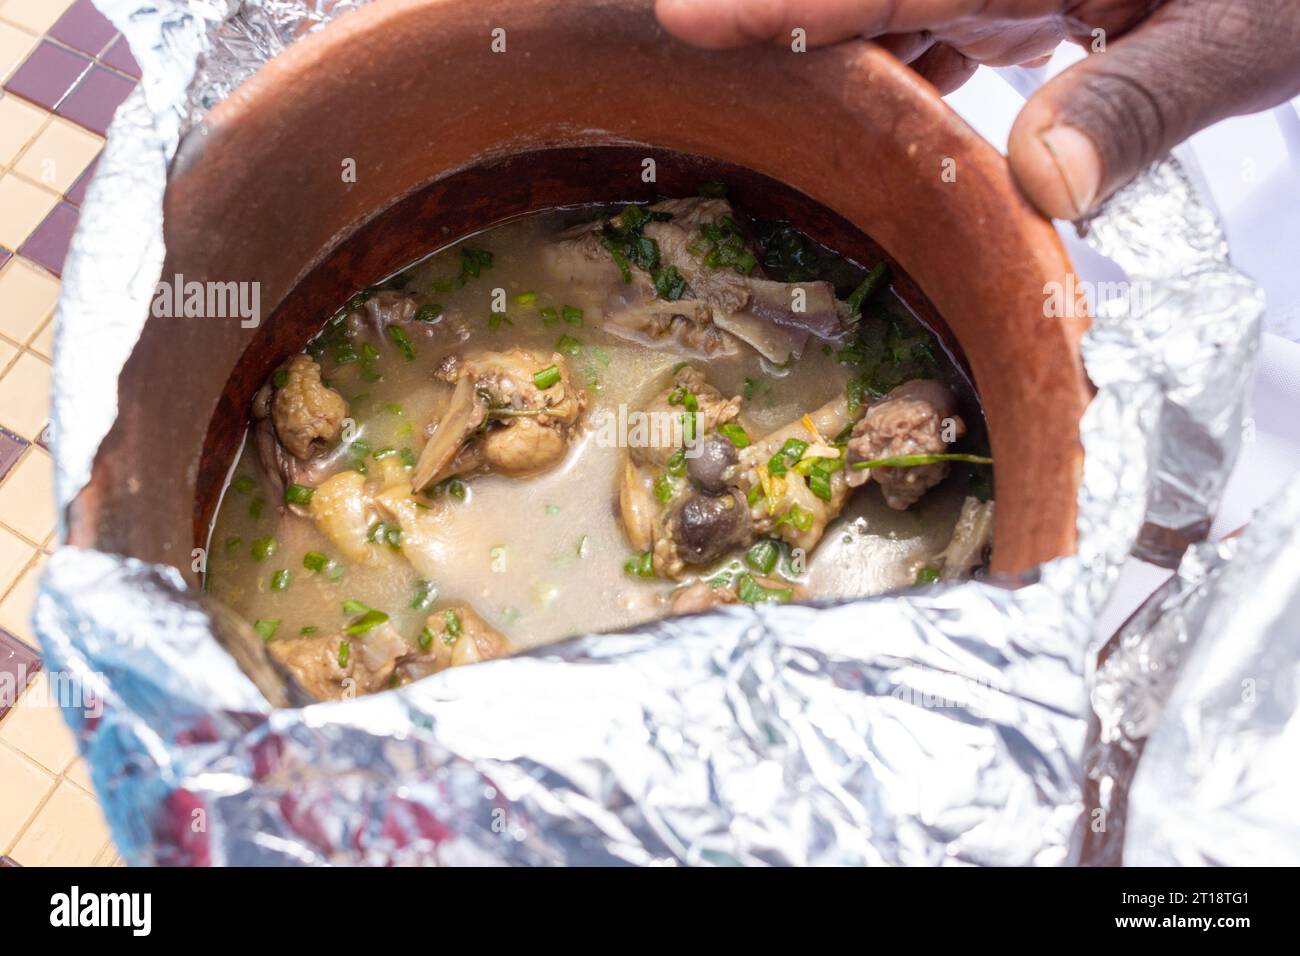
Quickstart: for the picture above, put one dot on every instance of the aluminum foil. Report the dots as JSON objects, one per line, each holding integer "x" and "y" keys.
{"x": 942, "y": 726}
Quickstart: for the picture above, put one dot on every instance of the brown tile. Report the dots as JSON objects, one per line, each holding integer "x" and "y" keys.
{"x": 5, "y": 861}
{"x": 96, "y": 99}
{"x": 48, "y": 74}
{"x": 77, "y": 194}
{"x": 120, "y": 57}
{"x": 43, "y": 439}
{"x": 5, "y": 256}
{"x": 48, "y": 245}
{"x": 84, "y": 28}
{"x": 19, "y": 665}
{"x": 11, "y": 449}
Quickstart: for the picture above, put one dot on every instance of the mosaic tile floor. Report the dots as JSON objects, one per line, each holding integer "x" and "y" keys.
{"x": 64, "y": 70}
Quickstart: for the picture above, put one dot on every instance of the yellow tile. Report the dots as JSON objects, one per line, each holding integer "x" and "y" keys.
{"x": 25, "y": 786}
{"x": 19, "y": 122}
{"x": 16, "y": 608}
{"x": 59, "y": 155}
{"x": 15, "y": 44}
{"x": 35, "y": 727}
{"x": 68, "y": 831}
{"x": 25, "y": 206}
{"x": 14, "y": 555}
{"x": 29, "y": 296}
{"x": 25, "y": 398}
{"x": 42, "y": 342}
{"x": 35, "y": 15}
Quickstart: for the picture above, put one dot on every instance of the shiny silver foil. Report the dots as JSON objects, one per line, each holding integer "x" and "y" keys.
{"x": 946, "y": 726}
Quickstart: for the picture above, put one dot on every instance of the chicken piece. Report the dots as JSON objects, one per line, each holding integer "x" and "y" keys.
{"x": 295, "y": 425}
{"x": 700, "y": 596}
{"x": 638, "y": 506}
{"x": 500, "y": 419}
{"x": 308, "y": 415}
{"x": 458, "y": 635}
{"x": 916, "y": 418}
{"x": 717, "y": 306}
{"x": 669, "y": 405}
{"x": 343, "y": 511}
{"x": 328, "y": 671}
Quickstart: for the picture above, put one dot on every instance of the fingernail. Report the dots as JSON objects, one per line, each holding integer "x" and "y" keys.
{"x": 1078, "y": 163}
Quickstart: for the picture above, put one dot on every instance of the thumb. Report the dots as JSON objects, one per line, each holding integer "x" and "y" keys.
{"x": 1194, "y": 62}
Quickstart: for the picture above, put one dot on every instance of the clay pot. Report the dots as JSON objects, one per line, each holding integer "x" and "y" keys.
{"x": 448, "y": 137}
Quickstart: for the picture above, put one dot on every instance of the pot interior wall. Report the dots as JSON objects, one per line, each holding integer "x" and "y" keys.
{"x": 474, "y": 199}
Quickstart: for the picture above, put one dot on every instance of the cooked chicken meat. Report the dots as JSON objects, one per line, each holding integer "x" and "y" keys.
{"x": 688, "y": 394}
{"x": 512, "y": 413}
{"x": 430, "y": 324}
{"x": 916, "y": 418}
{"x": 713, "y": 305}
{"x": 297, "y": 420}
{"x": 342, "y": 665}
{"x": 455, "y": 635}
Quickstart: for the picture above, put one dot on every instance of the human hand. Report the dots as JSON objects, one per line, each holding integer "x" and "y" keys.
{"x": 1160, "y": 70}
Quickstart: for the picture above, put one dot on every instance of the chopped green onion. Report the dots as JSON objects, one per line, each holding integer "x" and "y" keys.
{"x": 665, "y": 488}
{"x": 452, "y": 620}
{"x": 669, "y": 284}
{"x": 734, "y": 434}
{"x": 344, "y": 652}
{"x": 366, "y": 622}
{"x": 428, "y": 312}
{"x": 547, "y": 377}
{"x": 640, "y": 565}
{"x": 751, "y": 592}
{"x": 425, "y": 594}
{"x": 568, "y": 345}
{"x": 280, "y": 379}
{"x": 352, "y": 608}
{"x": 713, "y": 190}
{"x": 786, "y": 458}
{"x": 875, "y": 278}
{"x": 298, "y": 494}
{"x": 762, "y": 557}
{"x": 526, "y": 298}
{"x": 677, "y": 463}
{"x": 232, "y": 544}
{"x": 425, "y": 639}
{"x": 266, "y": 628}
{"x": 456, "y": 488}
{"x": 549, "y": 316}
{"x": 911, "y": 461}
{"x": 314, "y": 561}
{"x": 280, "y": 580}
{"x": 927, "y": 575}
{"x": 263, "y": 548}
{"x": 408, "y": 457}
{"x": 571, "y": 315}
{"x": 498, "y": 319}
{"x": 309, "y": 629}
{"x": 255, "y": 507}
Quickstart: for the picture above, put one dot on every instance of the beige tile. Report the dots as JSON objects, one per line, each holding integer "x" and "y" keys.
{"x": 25, "y": 397}
{"x": 16, "y": 608}
{"x": 19, "y": 121}
{"x": 35, "y": 15}
{"x": 28, "y": 295}
{"x": 79, "y": 773}
{"x": 42, "y": 342}
{"x": 35, "y": 727}
{"x": 15, "y": 44}
{"x": 25, "y": 786}
{"x": 68, "y": 831}
{"x": 25, "y": 206}
{"x": 7, "y": 352}
{"x": 59, "y": 155}
{"x": 14, "y": 555}
{"x": 109, "y": 857}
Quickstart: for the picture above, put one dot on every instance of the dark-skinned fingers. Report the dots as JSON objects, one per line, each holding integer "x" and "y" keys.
{"x": 1195, "y": 62}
